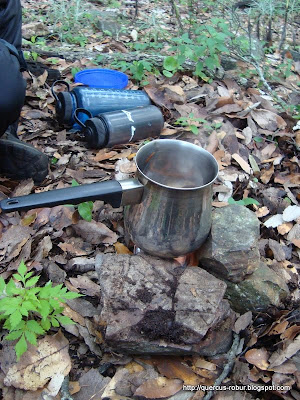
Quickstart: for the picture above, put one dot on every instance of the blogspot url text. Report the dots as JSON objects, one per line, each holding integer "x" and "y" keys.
{"x": 258, "y": 388}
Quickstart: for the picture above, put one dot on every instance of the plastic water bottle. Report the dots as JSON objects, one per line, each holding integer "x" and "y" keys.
{"x": 94, "y": 100}
{"x": 122, "y": 126}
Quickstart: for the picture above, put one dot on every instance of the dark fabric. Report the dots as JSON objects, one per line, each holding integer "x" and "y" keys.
{"x": 12, "y": 84}
{"x": 11, "y": 26}
{"x": 12, "y": 88}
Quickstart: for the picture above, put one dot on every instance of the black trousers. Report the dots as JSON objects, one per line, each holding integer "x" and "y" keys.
{"x": 12, "y": 84}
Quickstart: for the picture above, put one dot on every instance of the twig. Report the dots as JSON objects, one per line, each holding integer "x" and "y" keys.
{"x": 65, "y": 394}
{"x": 231, "y": 359}
{"x": 283, "y": 34}
{"x": 177, "y": 15}
{"x": 267, "y": 86}
{"x": 255, "y": 64}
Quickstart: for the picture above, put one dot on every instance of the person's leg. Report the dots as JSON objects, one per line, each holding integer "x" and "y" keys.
{"x": 12, "y": 85}
{"x": 11, "y": 25}
{"x": 18, "y": 160}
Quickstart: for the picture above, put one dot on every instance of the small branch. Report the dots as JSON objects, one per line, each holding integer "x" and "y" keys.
{"x": 231, "y": 359}
{"x": 283, "y": 35}
{"x": 282, "y": 103}
{"x": 177, "y": 15}
{"x": 255, "y": 64}
{"x": 65, "y": 394}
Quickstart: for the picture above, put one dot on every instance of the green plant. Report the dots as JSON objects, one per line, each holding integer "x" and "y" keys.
{"x": 85, "y": 208}
{"x": 30, "y": 55}
{"x": 77, "y": 39}
{"x": 296, "y": 110}
{"x": 205, "y": 46}
{"x": 244, "y": 202}
{"x": 69, "y": 18}
{"x": 140, "y": 46}
{"x": 137, "y": 69}
{"x": 193, "y": 124}
{"x": 29, "y": 310}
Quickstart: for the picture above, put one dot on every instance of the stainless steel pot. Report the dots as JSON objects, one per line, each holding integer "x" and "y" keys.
{"x": 168, "y": 205}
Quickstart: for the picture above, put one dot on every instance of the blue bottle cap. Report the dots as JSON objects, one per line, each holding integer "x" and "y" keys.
{"x": 102, "y": 78}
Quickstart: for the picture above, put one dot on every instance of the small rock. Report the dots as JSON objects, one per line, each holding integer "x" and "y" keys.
{"x": 34, "y": 29}
{"x": 258, "y": 291}
{"x": 231, "y": 251}
{"x": 109, "y": 25}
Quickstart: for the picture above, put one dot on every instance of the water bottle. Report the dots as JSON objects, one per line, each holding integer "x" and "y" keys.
{"x": 94, "y": 100}
{"x": 122, "y": 126}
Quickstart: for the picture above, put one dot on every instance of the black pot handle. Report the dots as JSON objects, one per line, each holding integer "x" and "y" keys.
{"x": 110, "y": 192}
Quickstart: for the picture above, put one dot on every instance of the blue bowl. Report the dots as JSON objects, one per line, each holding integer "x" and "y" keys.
{"x": 102, "y": 78}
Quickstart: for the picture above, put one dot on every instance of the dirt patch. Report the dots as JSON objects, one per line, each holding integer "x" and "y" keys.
{"x": 160, "y": 324}
{"x": 145, "y": 295}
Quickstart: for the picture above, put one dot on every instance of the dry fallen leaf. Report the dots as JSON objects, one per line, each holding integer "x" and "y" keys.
{"x": 12, "y": 241}
{"x": 199, "y": 362}
{"x": 267, "y": 174}
{"x": 294, "y": 233}
{"x": 243, "y": 164}
{"x": 74, "y": 387}
{"x": 262, "y": 212}
{"x": 280, "y": 356}
{"x": 23, "y": 188}
{"x": 175, "y": 93}
{"x": 296, "y": 242}
{"x": 38, "y": 365}
{"x": 175, "y": 369}
{"x": 279, "y": 328}
{"x": 74, "y": 315}
{"x": 87, "y": 286}
{"x": 72, "y": 249}
{"x": 286, "y": 368}
{"x": 291, "y": 213}
{"x": 133, "y": 367}
{"x": 95, "y": 232}
{"x": 222, "y": 101}
{"x": 103, "y": 154}
{"x": 159, "y": 388}
{"x": 291, "y": 332}
{"x": 242, "y": 322}
{"x": 284, "y": 228}
{"x": 268, "y": 120}
{"x": 274, "y": 221}
{"x": 28, "y": 219}
{"x": 258, "y": 357}
{"x": 121, "y": 248}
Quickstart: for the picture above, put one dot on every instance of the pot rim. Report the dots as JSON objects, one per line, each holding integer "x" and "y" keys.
{"x": 187, "y": 144}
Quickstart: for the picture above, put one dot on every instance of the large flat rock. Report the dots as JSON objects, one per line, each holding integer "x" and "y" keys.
{"x": 154, "y": 306}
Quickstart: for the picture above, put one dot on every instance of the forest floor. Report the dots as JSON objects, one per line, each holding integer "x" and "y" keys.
{"x": 256, "y": 144}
